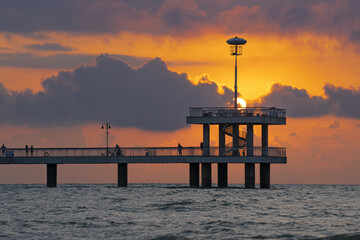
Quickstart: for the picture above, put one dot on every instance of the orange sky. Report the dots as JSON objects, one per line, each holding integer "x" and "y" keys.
{"x": 321, "y": 150}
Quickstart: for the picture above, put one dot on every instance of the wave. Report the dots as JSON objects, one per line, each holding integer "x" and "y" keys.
{"x": 351, "y": 236}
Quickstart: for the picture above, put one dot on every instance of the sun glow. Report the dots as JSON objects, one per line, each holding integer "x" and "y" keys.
{"x": 241, "y": 102}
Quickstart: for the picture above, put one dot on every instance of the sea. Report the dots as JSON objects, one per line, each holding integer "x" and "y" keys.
{"x": 176, "y": 211}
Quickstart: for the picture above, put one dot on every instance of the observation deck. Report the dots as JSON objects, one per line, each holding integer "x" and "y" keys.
{"x": 228, "y": 115}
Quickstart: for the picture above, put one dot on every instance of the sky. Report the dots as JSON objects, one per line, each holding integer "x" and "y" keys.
{"x": 68, "y": 66}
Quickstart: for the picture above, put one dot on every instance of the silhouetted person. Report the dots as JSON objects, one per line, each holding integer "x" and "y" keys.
{"x": 27, "y": 150}
{"x": 32, "y": 150}
{"x": 3, "y": 149}
{"x": 202, "y": 147}
{"x": 180, "y": 148}
{"x": 118, "y": 150}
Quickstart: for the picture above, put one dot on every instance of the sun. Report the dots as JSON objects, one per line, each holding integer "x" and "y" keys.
{"x": 241, "y": 102}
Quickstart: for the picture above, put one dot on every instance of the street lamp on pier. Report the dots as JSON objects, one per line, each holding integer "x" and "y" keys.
{"x": 236, "y": 49}
{"x": 107, "y": 127}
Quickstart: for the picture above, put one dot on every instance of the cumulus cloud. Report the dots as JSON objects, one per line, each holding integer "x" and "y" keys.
{"x": 337, "y": 18}
{"x": 338, "y": 101}
{"x": 48, "y": 47}
{"x": 61, "y": 61}
{"x": 150, "y": 97}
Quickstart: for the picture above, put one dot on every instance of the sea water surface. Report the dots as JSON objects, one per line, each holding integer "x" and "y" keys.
{"x": 175, "y": 211}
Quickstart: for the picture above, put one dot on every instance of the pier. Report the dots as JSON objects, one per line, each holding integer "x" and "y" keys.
{"x": 241, "y": 150}
{"x": 228, "y": 120}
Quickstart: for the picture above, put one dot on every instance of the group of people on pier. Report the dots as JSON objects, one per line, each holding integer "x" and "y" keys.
{"x": 27, "y": 150}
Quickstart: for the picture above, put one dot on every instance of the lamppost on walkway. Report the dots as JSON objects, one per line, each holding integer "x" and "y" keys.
{"x": 107, "y": 127}
{"x": 236, "y": 49}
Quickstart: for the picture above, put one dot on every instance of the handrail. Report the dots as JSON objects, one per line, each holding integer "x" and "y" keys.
{"x": 239, "y": 112}
{"x": 143, "y": 151}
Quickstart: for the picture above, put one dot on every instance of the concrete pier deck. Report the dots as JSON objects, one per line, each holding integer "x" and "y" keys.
{"x": 142, "y": 155}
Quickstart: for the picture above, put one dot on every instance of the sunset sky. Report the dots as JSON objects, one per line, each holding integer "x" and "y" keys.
{"x": 68, "y": 66}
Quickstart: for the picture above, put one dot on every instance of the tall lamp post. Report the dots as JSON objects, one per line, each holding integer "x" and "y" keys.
{"x": 107, "y": 127}
{"x": 236, "y": 49}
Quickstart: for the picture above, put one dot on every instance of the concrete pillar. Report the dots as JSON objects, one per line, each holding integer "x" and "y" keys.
{"x": 249, "y": 175}
{"x": 206, "y": 174}
{"x": 122, "y": 175}
{"x": 206, "y": 167}
{"x": 236, "y": 139}
{"x": 264, "y": 175}
{"x": 221, "y": 139}
{"x": 194, "y": 174}
{"x": 250, "y": 139}
{"x": 222, "y": 167}
{"x": 264, "y": 139}
{"x": 51, "y": 174}
{"x": 250, "y": 167}
{"x": 222, "y": 174}
{"x": 206, "y": 139}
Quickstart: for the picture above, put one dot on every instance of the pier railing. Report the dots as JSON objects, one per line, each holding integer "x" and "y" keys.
{"x": 239, "y": 112}
{"x": 143, "y": 151}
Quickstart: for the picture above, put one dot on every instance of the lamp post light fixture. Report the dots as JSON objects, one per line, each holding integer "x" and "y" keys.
{"x": 107, "y": 127}
{"x": 236, "y": 49}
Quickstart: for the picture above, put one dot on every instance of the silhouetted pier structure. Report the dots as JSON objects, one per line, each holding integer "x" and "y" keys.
{"x": 241, "y": 150}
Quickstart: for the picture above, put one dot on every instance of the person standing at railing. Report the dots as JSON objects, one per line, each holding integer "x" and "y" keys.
{"x": 118, "y": 150}
{"x": 26, "y": 150}
{"x": 3, "y": 150}
{"x": 202, "y": 148}
{"x": 180, "y": 148}
{"x": 32, "y": 150}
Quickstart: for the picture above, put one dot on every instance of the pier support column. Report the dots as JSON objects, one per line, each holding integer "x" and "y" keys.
{"x": 264, "y": 175}
{"x": 194, "y": 174}
{"x": 206, "y": 167}
{"x": 249, "y": 175}
{"x": 264, "y": 167}
{"x": 249, "y": 139}
{"x": 206, "y": 139}
{"x": 264, "y": 139}
{"x": 236, "y": 139}
{"x": 51, "y": 174}
{"x": 222, "y": 167}
{"x": 222, "y": 174}
{"x": 250, "y": 167}
{"x": 122, "y": 175}
{"x": 206, "y": 174}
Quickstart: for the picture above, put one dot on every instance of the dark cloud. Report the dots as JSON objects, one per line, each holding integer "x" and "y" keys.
{"x": 338, "y": 101}
{"x": 338, "y": 18}
{"x": 150, "y": 97}
{"x": 48, "y": 47}
{"x": 60, "y": 61}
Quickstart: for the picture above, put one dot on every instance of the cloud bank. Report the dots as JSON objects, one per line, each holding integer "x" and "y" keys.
{"x": 150, "y": 97}
{"x": 338, "y": 101}
{"x": 336, "y": 18}
{"x": 48, "y": 47}
{"x": 59, "y": 61}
